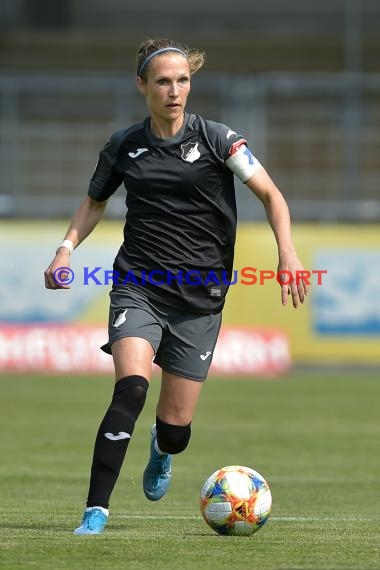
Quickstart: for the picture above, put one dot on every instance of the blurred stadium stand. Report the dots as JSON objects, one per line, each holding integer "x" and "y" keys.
{"x": 300, "y": 80}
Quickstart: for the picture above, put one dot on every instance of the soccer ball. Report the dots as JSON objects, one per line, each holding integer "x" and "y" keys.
{"x": 236, "y": 501}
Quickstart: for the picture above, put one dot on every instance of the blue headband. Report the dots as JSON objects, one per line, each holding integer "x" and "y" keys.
{"x": 157, "y": 52}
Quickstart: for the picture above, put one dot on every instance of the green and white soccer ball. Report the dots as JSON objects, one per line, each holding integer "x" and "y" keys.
{"x": 236, "y": 501}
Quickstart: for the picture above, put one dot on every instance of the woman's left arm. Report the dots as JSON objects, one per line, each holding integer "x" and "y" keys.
{"x": 279, "y": 219}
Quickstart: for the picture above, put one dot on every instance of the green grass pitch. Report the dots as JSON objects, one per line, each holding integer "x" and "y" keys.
{"x": 314, "y": 436}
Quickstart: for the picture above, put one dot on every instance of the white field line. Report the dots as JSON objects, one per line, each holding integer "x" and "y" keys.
{"x": 162, "y": 516}
{"x": 347, "y": 518}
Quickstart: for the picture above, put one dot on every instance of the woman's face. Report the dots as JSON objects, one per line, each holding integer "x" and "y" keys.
{"x": 167, "y": 86}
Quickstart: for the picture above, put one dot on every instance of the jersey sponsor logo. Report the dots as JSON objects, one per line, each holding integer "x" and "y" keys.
{"x": 190, "y": 152}
{"x": 205, "y": 356}
{"x": 138, "y": 152}
{"x": 117, "y": 437}
{"x": 119, "y": 317}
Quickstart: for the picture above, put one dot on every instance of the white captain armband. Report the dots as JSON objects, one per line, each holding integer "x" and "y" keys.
{"x": 242, "y": 162}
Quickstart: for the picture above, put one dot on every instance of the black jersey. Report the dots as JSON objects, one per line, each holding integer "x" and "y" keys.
{"x": 180, "y": 227}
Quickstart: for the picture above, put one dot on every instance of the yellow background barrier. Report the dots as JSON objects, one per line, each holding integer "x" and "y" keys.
{"x": 349, "y": 253}
{"x": 340, "y": 321}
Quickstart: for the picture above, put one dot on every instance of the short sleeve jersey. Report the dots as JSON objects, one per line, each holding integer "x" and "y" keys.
{"x": 180, "y": 227}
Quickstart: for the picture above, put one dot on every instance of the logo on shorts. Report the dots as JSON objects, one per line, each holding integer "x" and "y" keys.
{"x": 205, "y": 356}
{"x": 119, "y": 317}
{"x": 190, "y": 152}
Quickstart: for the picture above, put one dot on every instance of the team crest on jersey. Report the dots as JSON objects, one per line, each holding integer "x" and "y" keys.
{"x": 190, "y": 152}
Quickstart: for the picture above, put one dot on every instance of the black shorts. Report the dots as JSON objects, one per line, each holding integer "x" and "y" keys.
{"x": 183, "y": 342}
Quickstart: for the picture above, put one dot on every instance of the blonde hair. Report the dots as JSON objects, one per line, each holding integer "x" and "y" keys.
{"x": 146, "y": 50}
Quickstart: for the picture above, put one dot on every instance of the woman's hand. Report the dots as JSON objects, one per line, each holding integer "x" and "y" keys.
{"x": 55, "y": 274}
{"x": 295, "y": 278}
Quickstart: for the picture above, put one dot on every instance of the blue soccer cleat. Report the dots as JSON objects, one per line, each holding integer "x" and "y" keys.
{"x": 94, "y": 521}
{"x": 158, "y": 472}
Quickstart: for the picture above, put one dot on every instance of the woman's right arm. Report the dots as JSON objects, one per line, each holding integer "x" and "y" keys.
{"x": 84, "y": 220}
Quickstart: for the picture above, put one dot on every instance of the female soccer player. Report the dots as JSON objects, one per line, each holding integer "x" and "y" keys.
{"x": 178, "y": 170}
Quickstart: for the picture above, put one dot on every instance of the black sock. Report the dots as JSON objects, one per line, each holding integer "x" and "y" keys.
{"x": 171, "y": 438}
{"x": 113, "y": 438}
